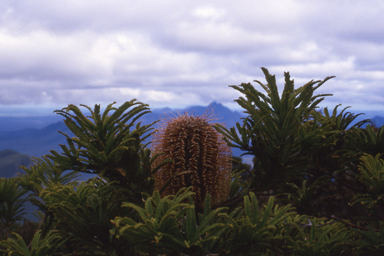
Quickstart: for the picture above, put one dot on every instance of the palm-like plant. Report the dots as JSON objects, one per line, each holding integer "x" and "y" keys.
{"x": 274, "y": 132}
{"x": 371, "y": 174}
{"x": 369, "y": 140}
{"x": 335, "y": 156}
{"x": 169, "y": 224}
{"x": 11, "y": 203}
{"x": 321, "y": 238}
{"x": 109, "y": 144}
{"x": 40, "y": 175}
{"x": 40, "y": 246}
{"x": 304, "y": 156}
{"x": 82, "y": 214}
{"x": 255, "y": 229}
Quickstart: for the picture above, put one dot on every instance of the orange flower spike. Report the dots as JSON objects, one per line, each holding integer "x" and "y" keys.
{"x": 201, "y": 158}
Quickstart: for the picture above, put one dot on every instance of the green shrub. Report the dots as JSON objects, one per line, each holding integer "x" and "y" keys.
{"x": 316, "y": 186}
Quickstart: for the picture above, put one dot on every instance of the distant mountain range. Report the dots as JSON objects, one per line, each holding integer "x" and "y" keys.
{"x": 37, "y": 142}
{"x": 32, "y": 141}
{"x": 25, "y": 137}
{"x": 17, "y": 123}
{"x": 378, "y": 121}
{"x": 10, "y": 161}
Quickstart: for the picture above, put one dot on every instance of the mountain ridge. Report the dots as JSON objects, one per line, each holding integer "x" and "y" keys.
{"x": 36, "y": 139}
{"x": 37, "y": 142}
{"x": 10, "y": 162}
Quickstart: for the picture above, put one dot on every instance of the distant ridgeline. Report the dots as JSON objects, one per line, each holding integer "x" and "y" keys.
{"x": 24, "y": 137}
{"x": 10, "y": 161}
{"x": 378, "y": 121}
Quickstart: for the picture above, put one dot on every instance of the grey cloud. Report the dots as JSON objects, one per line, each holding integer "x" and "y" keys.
{"x": 185, "y": 53}
{"x": 69, "y": 16}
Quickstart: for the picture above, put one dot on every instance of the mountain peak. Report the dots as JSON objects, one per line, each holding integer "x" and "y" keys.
{"x": 215, "y": 104}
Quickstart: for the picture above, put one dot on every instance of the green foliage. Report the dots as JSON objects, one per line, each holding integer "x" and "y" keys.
{"x": 331, "y": 131}
{"x": 372, "y": 176}
{"x": 302, "y": 197}
{"x": 11, "y": 202}
{"x": 82, "y": 213}
{"x": 237, "y": 185}
{"x": 40, "y": 175}
{"x": 240, "y": 175}
{"x": 319, "y": 238}
{"x": 43, "y": 172}
{"x": 369, "y": 140}
{"x": 39, "y": 246}
{"x": 111, "y": 146}
{"x": 169, "y": 224}
{"x": 315, "y": 187}
{"x": 372, "y": 241}
{"x": 341, "y": 121}
{"x": 256, "y": 230}
{"x": 273, "y": 131}
{"x": 333, "y": 158}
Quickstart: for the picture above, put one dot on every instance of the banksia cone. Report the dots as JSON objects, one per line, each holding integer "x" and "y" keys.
{"x": 201, "y": 158}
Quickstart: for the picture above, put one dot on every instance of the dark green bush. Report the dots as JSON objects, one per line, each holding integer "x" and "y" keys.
{"x": 316, "y": 186}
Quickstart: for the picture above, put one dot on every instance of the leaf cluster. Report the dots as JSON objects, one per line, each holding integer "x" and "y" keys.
{"x": 110, "y": 144}
{"x": 315, "y": 188}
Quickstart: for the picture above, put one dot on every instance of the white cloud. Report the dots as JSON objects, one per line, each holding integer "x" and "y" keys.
{"x": 179, "y": 53}
{"x": 323, "y": 68}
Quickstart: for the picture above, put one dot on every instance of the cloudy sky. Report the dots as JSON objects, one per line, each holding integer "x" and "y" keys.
{"x": 182, "y": 53}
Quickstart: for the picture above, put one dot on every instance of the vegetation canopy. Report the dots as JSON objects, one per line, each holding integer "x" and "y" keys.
{"x": 316, "y": 185}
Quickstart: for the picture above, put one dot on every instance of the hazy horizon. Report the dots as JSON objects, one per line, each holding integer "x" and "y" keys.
{"x": 47, "y": 111}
